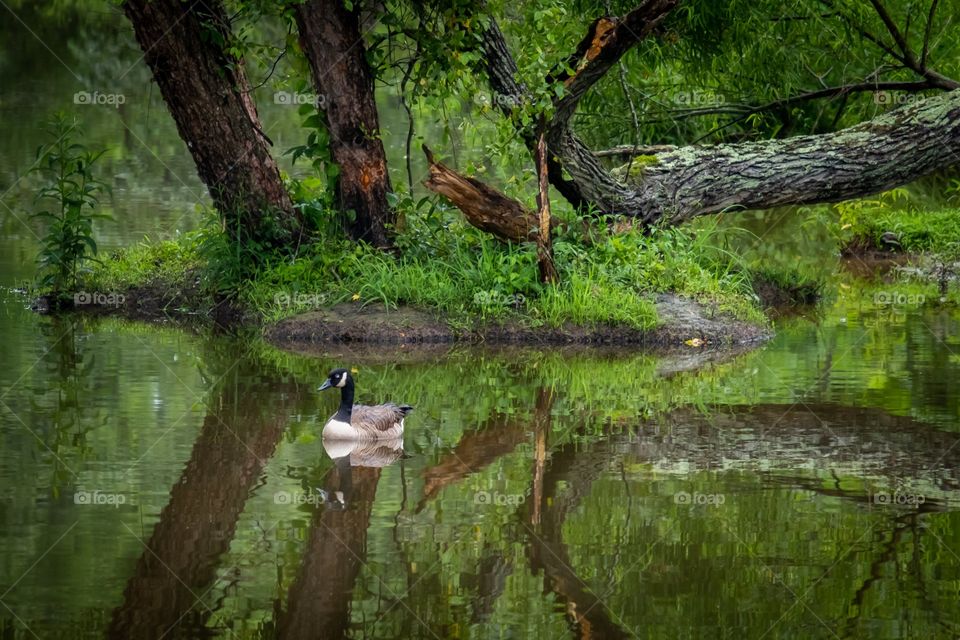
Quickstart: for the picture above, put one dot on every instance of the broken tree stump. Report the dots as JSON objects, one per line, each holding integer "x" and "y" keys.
{"x": 484, "y": 207}
{"x": 548, "y": 270}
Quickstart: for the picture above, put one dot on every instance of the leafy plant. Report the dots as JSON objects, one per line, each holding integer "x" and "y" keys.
{"x": 68, "y": 244}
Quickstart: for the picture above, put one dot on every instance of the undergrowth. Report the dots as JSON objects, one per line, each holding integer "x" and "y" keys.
{"x": 864, "y": 223}
{"x": 445, "y": 266}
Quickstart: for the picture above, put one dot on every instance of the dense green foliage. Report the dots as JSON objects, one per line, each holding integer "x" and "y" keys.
{"x": 68, "y": 243}
{"x": 917, "y": 230}
{"x": 707, "y": 70}
{"x": 730, "y": 71}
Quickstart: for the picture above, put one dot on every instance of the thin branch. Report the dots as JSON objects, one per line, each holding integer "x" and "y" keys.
{"x": 926, "y": 34}
{"x": 803, "y": 18}
{"x": 742, "y": 111}
{"x": 626, "y": 94}
{"x": 843, "y": 91}
{"x": 906, "y": 57}
{"x": 406, "y": 107}
{"x": 898, "y": 37}
{"x": 273, "y": 68}
{"x": 866, "y": 34}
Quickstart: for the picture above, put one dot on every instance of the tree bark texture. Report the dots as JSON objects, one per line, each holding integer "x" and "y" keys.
{"x": 208, "y": 95}
{"x": 484, "y": 207}
{"x": 331, "y": 39}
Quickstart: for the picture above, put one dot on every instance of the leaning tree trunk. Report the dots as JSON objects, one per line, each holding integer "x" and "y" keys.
{"x": 673, "y": 185}
{"x": 331, "y": 40}
{"x": 207, "y": 93}
{"x": 883, "y": 153}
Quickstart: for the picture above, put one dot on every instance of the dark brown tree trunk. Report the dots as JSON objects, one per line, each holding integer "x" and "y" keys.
{"x": 208, "y": 96}
{"x": 331, "y": 39}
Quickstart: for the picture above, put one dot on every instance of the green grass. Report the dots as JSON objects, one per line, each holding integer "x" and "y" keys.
{"x": 936, "y": 231}
{"x": 447, "y": 267}
{"x": 168, "y": 262}
{"x": 798, "y": 282}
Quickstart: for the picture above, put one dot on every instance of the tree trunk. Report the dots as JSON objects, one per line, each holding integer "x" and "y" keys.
{"x": 208, "y": 96}
{"x": 675, "y": 185}
{"x": 888, "y": 151}
{"x": 331, "y": 40}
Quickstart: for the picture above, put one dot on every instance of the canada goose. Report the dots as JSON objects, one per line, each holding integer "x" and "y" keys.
{"x": 357, "y": 421}
{"x": 890, "y": 240}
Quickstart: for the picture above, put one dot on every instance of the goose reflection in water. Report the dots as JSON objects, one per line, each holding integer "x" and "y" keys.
{"x": 365, "y": 453}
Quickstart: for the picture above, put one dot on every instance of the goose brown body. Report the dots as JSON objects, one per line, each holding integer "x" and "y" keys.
{"x": 358, "y": 421}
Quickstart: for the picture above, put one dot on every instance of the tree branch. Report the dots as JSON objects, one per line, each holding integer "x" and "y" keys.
{"x": 895, "y": 148}
{"x": 908, "y": 56}
{"x": 926, "y": 34}
{"x": 830, "y": 92}
{"x": 502, "y": 76}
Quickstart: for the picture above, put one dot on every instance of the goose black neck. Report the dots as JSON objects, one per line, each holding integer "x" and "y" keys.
{"x": 346, "y": 401}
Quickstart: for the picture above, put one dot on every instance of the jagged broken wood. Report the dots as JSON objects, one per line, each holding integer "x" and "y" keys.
{"x": 489, "y": 210}
{"x": 548, "y": 270}
{"x": 483, "y": 206}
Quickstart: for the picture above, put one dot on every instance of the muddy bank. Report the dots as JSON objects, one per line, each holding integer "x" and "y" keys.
{"x": 185, "y": 305}
{"x": 684, "y": 324}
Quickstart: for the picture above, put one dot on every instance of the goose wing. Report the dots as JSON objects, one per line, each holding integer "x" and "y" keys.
{"x": 379, "y": 418}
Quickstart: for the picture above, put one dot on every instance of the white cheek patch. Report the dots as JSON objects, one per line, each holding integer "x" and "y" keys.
{"x": 343, "y": 381}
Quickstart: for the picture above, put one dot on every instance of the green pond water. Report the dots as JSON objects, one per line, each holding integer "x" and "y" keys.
{"x": 158, "y": 483}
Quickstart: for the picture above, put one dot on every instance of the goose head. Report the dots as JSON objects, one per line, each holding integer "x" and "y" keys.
{"x": 338, "y": 378}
